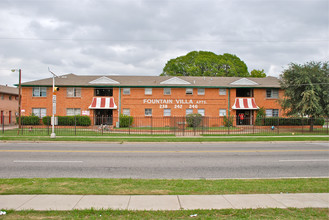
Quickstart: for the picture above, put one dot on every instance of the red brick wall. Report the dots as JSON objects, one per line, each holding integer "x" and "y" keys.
{"x": 9, "y": 107}
{"x": 137, "y": 101}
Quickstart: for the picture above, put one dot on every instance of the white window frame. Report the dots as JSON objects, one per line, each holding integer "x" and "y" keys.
{"x": 274, "y": 93}
{"x": 148, "y": 91}
{"x": 222, "y": 91}
{"x": 39, "y": 92}
{"x": 188, "y": 111}
{"x": 73, "y": 111}
{"x": 189, "y": 91}
{"x": 126, "y": 91}
{"x": 126, "y": 111}
{"x": 222, "y": 112}
{"x": 40, "y": 112}
{"x": 201, "y": 111}
{"x": 167, "y": 91}
{"x": 148, "y": 112}
{"x": 272, "y": 112}
{"x": 167, "y": 112}
{"x": 201, "y": 91}
{"x": 73, "y": 92}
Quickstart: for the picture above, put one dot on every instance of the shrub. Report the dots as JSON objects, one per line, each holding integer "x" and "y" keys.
{"x": 270, "y": 121}
{"x": 126, "y": 121}
{"x": 193, "y": 120}
{"x": 228, "y": 121}
{"x": 69, "y": 120}
{"x": 29, "y": 120}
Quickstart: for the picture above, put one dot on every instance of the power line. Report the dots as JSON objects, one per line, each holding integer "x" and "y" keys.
{"x": 164, "y": 40}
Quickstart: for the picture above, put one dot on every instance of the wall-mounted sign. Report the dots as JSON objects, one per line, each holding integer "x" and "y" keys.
{"x": 178, "y": 103}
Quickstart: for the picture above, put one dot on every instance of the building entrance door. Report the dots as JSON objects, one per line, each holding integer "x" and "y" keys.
{"x": 103, "y": 116}
{"x": 244, "y": 117}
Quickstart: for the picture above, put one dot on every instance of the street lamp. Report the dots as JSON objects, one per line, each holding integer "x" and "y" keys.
{"x": 53, "y": 135}
{"x": 19, "y": 98}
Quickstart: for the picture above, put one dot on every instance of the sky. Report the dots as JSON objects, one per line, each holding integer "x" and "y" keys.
{"x": 138, "y": 37}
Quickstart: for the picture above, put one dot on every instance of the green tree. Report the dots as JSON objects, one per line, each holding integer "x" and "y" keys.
{"x": 306, "y": 90}
{"x": 204, "y": 63}
{"x": 258, "y": 73}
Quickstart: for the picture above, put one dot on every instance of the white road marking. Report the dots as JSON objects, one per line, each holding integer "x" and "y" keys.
{"x": 45, "y": 161}
{"x": 310, "y": 160}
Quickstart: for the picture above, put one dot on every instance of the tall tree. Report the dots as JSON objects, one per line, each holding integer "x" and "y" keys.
{"x": 306, "y": 89}
{"x": 258, "y": 73}
{"x": 204, "y": 63}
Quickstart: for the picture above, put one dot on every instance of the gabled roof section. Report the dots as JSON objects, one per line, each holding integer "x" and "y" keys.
{"x": 244, "y": 82}
{"x": 175, "y": 81}
{"x": 104, "y": 80}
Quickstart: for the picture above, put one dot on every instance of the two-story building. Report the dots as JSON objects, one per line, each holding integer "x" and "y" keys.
{"x": 156, "y": 96}
{"x": 8, "y": 104}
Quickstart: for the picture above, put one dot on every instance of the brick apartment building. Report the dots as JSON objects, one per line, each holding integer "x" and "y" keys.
{"x": 156, "y": 96}
{"x": 8, "y": 104}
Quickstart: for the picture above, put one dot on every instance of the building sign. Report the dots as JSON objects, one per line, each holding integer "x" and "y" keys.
{"x": 178, "y": 103}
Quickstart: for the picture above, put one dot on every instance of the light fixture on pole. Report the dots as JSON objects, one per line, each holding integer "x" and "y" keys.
{"x": 53, "y": 135}
{"x": 19, "y": 98}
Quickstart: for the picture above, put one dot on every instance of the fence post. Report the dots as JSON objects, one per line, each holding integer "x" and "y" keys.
{"x": 253, "y": 121}
{"x": 327, "y": 125}
{"x": 48, "y": 123}
{"x": 174, "y": 125}
{"x": 102, "y": 124}
{"x": 75, "y": 125}
{"x": 3, "y": 124}
{"x": 302, "y": 125}
{"x": 129, "y": 125}
{"x": 278, "y": 125}
{"x": 151, "y": 124}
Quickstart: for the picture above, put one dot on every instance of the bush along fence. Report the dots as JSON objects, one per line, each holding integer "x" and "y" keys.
{"x": 193, "y": 124}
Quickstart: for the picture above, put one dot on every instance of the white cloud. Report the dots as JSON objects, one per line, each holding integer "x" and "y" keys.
{"x": 130, "y": 37}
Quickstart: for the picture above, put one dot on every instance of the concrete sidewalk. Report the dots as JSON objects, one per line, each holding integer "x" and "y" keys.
{"x": 163, "y": 202}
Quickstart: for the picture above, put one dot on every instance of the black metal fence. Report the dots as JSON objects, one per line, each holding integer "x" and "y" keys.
{"x": 179, "y": 126}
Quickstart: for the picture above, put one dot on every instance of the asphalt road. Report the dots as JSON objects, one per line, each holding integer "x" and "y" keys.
{"x": 165, "y": 160}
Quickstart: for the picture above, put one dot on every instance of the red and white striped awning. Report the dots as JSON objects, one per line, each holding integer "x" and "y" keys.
{"x": 103, "y": 103}
{"x": 245, "y": 103}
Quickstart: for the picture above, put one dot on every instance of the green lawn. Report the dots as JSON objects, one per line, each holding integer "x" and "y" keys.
{"x": 164, "y": 138}
{"x": 86, "y": 186}
{"x": 290, "y": 213}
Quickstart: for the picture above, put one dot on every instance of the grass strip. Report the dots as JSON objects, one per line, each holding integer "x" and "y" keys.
{"x": 290, "y": 213}
{"x": 168, "y": 139}
{"x": 88, "y": 186}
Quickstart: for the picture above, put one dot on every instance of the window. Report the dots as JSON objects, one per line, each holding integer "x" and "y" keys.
{"x": 222, "y": 112}
{"x": 148, "y": 112}
{"x": 104, "y": 92}
{"x": 272, "y": 93}
{"x": 73, "y": 111}
{"x": 167, "y": 91}
{"x": 73, "y": 92}
{"x": 201, "y": 91}
{"x": 39, "y": 92}
{"x": 167, "y": 112}
{"x": 2, "y": 97}
{"x": 272, "y": 112}
{"x": 189, "y": 111}
{"x": 201, "y": 111}
{"x": 189, "y": 91}
{"x": 222, "y": 91}
{"x": 126, "y": 91}
{"x": 126, "y": 111}
{"x": 244, "y": 92}
{"x": 40, "y": 112}
{"x": 10, "y": 97}
{"x": 148, "y": 91}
